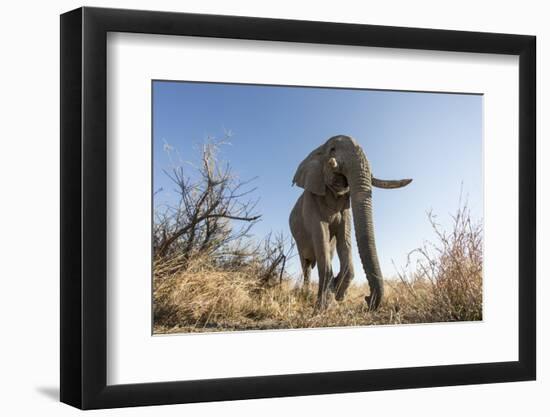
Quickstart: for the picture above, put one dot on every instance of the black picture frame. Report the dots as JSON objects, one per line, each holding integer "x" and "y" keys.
{"x": 84, "y": 207}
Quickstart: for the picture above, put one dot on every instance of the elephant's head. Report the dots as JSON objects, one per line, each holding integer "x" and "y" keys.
{"x": 342, "y": 165}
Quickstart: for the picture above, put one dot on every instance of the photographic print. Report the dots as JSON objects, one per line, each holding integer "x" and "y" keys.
{"x": 289, "y": 207}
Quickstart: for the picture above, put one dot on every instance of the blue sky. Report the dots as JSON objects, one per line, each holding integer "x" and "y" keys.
{"x": 434, "y": 138}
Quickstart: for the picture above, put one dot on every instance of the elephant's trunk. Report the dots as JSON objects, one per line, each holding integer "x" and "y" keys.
{"x": 359, "y": 179}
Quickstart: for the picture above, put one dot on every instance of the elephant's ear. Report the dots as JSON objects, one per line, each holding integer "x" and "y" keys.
{"x": 309, "y": 174}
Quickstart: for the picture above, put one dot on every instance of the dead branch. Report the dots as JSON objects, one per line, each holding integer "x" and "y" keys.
{"x": 208, "y": 211}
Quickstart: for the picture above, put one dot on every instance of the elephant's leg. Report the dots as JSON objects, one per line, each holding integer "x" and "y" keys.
{"x": 306, "y": 270}
{"x": 321, "y": 244}
{"x": 332, "y": 250}
{"x": 343, "y": 247}
{"x": 298, "y": 228}
{"x": 332, "y": 247}
{"x": 307, "y": 260}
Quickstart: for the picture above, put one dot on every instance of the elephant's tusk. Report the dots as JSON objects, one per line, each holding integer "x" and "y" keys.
{"x": 390, "y": 183}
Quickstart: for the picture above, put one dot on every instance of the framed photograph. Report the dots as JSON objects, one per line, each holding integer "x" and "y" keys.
{"x": 257, "y": 208}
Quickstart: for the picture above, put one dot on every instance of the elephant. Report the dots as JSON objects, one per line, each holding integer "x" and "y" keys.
{"x": 337, "y": 182}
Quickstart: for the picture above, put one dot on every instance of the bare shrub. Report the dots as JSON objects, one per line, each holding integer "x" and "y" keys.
{"x": 211, "y": 210}
{"x": 272, "y": 257}
{"x": 447, "y": 282}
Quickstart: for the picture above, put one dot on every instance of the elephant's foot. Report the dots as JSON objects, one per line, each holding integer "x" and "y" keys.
{"x": 373, "y": 301}
{"x": 321, "y": 305}
{"x": 339, "y": 287}
{"x": 306, "y": 292}
{"x": 338, "y": 293}
{"x": 335, "y": 284}
{"x": 367, "y": 300}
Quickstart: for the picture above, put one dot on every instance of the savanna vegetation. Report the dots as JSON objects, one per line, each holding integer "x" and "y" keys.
{"x": 209, "y": 274}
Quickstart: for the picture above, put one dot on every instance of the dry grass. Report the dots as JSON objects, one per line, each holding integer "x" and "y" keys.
{"x": 445, "y": 285}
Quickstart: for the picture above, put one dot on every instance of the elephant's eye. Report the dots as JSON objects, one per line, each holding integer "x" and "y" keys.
{"x": 332, "y": 149}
